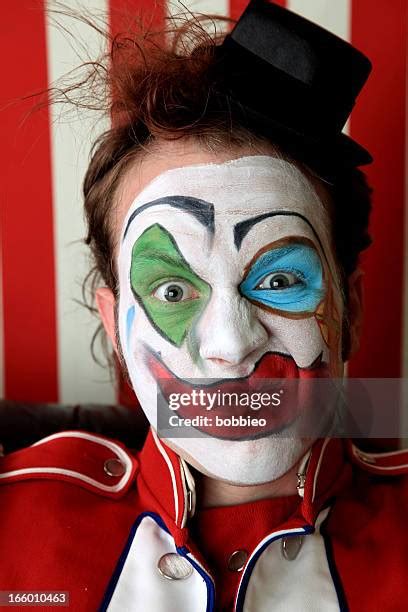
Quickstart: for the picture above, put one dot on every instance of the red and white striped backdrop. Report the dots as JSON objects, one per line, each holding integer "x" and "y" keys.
{"x": 44, "y": 333}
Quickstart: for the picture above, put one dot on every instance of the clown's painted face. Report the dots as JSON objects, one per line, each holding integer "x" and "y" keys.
{"x": 227, "y": 272}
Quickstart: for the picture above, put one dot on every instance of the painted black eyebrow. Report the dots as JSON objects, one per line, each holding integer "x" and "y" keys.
{"x": 242, "y": 228}
{"x": 200, "y": 209}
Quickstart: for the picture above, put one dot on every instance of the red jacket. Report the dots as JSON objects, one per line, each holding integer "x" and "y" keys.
{"x": 81, "y": 513}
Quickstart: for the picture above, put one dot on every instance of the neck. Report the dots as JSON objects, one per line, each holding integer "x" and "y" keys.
{"x": 212, "y": 492}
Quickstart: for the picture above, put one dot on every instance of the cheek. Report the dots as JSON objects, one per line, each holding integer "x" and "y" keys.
{"x": 140, "y": 332}
{"x": 305, "y": 339}
{"x": 300, "y": 338}
{"x": 142, "y": 337}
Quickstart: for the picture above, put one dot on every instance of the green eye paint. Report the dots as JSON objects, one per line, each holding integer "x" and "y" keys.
{"x": 156, "y": 259}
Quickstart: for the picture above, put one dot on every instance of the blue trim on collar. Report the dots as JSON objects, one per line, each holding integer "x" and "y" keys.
{"x": 207, "y": 578}
{"x": 122, "y": 559}
{"x": 307, "y": 529}
{"x": 343, "y": 605}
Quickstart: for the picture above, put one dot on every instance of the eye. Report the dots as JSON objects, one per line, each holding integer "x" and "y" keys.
{"x": 279, "y": 280}
{"x": 175, "y": 291}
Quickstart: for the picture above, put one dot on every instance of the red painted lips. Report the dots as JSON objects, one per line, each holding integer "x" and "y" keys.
{"x": 274, "y": 395}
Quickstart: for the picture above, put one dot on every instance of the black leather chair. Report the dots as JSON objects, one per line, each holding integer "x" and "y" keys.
{"x": 22, "y": 424}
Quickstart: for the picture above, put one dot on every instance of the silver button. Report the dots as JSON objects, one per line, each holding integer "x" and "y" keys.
{"x": 114, "y": 467}
{"x": 174, "y": 567}
{"x": 291, "y": 546}
{"x": 237, "y": 560}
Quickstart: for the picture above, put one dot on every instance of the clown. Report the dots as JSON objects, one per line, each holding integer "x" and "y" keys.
{"x": 219, "y": 218}
{"x": 210, "y": 291}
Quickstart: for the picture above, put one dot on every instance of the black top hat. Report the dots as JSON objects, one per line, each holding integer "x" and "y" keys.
{"x": 296, "y": 82}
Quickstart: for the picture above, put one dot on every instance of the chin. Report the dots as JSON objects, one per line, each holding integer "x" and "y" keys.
{"x": 241, "y": 463}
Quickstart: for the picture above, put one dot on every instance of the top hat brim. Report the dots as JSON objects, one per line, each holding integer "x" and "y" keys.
{"x": 351, "y": 152}
{"x": 327, "y": 156}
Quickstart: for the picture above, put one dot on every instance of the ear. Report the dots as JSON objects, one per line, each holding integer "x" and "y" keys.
{"x": 355, "y": 309}
{"x": 105, "y": 302}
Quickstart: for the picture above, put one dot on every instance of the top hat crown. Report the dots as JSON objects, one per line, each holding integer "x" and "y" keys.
{"x": 296, "y": 81}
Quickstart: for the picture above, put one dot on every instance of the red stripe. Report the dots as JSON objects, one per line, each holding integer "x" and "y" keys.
{"x": 27, "y": 220}
{"x": 379, "y": 29}
{"x": 125, "y": 14}
{"x": 237, "y": 7}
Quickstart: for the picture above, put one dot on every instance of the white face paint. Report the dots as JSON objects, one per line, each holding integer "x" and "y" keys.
{"x": 224, "y": 268}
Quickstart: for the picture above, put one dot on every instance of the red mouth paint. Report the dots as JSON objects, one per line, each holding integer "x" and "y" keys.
{"x": 267, "y": 401}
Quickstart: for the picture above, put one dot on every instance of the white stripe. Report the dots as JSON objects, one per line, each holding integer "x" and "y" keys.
{"x": 333, "y": 15}
{"x": 184, "y": 481}
{"x": 395, "y": 453}
{"x": 80, "y": 379}
{"x": 188, "y": 483}
{"x": 120, "y": 453}
{"x": 61, "y": 472}
{"x": 319, "y": 464}
{"x": 172, "y": 474}
{"x": 371, "y": 462}
{"x": 177, "y": 8}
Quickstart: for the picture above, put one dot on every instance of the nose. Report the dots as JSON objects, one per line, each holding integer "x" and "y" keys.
{"x": 229, "y": 330}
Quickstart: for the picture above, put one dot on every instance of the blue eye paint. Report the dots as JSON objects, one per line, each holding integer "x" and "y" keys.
{"x": 300, "y": 260}
{"x": 129, "y": 322}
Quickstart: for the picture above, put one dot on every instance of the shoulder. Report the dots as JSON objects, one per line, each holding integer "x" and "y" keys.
{"x": 88, "y": 461}
{"x": 379, "y": 486}
{"x": 394, "y": 463}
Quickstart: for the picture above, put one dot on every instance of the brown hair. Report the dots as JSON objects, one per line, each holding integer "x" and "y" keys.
{"x": 161, "y": 85}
